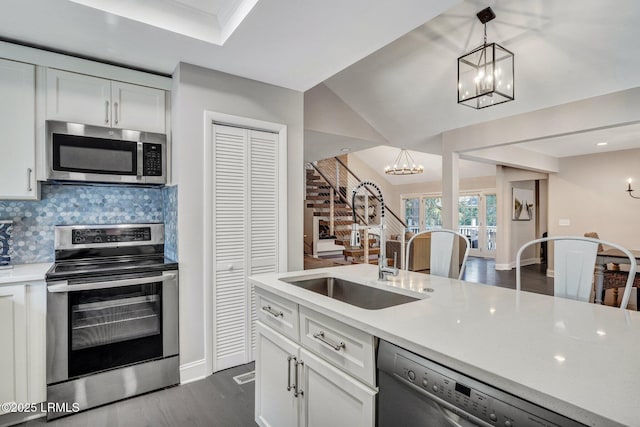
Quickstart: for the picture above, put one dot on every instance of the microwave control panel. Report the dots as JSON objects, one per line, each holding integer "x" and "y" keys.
{"x": 152, "y": 159}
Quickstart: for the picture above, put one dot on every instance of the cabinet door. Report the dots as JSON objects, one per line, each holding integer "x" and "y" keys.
{"x": 13, "y": 351}
{"x": 78, "y": 98}
{"x": 276, "y": 404}
{"x": 36, "y": 308}
{"x": 332, "y": 397}
{"x": 137, "y": 107}
{"x": 17, "y": 130}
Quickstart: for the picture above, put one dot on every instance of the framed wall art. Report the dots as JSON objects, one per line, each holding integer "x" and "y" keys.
{"x": 522, "y": 206}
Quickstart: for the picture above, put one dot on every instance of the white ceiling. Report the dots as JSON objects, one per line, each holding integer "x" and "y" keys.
{"x": 564, "y": 51}
{"x": 381, "y": 156}
{"x": 616, "y": 139}
{"x": 293, "y": 44}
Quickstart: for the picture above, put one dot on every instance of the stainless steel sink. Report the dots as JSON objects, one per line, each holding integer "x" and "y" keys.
{"x": 352, "y": 293}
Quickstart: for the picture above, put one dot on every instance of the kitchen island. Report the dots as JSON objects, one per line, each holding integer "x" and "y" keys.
{"x": 573, "y": 358}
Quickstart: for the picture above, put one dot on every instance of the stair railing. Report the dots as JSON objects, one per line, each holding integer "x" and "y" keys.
{"x": 342, "y": 180}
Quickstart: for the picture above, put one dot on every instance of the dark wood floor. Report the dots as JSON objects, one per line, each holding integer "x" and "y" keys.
{"x": 483, "y": 270}
{"x": 216, "y": 401}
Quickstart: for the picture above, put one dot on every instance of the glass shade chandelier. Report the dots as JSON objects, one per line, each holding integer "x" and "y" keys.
{"x": 486, "y": 74}
{"x": 403, "y": 165}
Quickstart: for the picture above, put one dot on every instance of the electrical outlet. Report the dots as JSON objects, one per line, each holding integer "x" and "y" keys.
{"x": 564, "y": 222}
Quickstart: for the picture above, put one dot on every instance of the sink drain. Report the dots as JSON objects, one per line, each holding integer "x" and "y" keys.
{"x": 427, "y": 289}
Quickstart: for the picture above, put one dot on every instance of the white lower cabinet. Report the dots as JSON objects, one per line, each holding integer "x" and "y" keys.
{"x": 22, "y": 353}
{"x": 276, "y": 405}
{"x": 296, "y": 388}
{"x": 332, "y": 397}
{"x": 13, "y": 352}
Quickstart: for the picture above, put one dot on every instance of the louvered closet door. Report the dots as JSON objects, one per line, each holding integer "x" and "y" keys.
{"x": 245, "y": 240}
{"x": 230, "y": 221}
{"x": 263, "y": 216}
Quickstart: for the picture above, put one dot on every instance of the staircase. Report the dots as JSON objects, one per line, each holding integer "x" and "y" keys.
{"x": 335, "y": 214}
{"x": 329, "y": 185}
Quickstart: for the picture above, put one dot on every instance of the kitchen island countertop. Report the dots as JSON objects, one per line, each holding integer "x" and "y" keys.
{"x": 571, "y": 357}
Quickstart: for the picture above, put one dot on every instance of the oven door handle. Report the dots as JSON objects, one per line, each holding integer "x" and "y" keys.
{"x": 63, "y": 286}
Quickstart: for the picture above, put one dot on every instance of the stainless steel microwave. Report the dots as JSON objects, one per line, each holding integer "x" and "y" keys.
{"x": 78, "y": 152}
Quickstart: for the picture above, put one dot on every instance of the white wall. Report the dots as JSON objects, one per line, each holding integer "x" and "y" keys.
{"x": 590, "y": 192}
{"x": 196, "y": 90}
{"x": 513, "y": 234}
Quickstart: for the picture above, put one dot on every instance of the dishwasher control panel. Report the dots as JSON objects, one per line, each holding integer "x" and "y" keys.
{"x": 468, "y": 398}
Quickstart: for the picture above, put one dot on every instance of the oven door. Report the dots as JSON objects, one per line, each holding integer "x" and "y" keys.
{"x": 97, "y": 325}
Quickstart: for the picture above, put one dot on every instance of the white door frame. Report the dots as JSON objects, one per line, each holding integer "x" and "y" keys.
{"x": 211, "y": 117}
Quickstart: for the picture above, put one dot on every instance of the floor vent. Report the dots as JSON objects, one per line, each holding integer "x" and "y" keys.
{"x": 245, "y": 378}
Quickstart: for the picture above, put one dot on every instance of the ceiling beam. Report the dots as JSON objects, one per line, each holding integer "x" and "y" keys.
{"x": 600, "y": 112}
{"x": 516, "y": 157}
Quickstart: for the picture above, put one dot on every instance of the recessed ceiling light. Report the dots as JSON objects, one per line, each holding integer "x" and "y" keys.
{"x": 602, "y": 144}
{"x": 345, "y": 150}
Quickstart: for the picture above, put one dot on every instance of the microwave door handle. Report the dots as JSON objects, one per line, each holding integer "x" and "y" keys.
{"x": 63, "y": 286}
{"x": 140, "y": 161}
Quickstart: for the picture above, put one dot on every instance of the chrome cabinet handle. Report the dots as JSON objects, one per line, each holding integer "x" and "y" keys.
{"x": 297, "y": 391}
{"x": 29, "y": 171}
{"x": 106, "y": 112}
{"x": 272, "y": 312}
{"x": 320, "y": 336}
{"x": 115, "y": 111}
{"x": 289, "y": 387}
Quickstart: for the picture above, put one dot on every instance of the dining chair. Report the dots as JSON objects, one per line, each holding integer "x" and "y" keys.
{"x": 574, "y": 260}
{"x": 441, "y": 251}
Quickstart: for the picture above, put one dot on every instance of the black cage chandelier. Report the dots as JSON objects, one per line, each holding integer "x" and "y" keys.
{"x": 486, "y": 74}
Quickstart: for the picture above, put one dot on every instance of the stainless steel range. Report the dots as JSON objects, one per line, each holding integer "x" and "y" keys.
{"x": 112, "y": 315}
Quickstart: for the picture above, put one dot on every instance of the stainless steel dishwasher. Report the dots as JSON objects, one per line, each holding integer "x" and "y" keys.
{"x": 415, "y": 391}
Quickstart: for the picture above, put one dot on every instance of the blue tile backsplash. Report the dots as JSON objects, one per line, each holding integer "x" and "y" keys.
{"x": 170, "y": 212}
{"x": 33, "y": 221}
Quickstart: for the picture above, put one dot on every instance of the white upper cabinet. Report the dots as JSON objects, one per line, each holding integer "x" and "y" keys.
{"x": 95, "y": 101}
{"x": 78, "y": 98}
{"x": 137, "y": 107}
{"x": 17, "y": 130}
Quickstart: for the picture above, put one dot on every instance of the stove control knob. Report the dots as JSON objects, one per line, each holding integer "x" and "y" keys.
{"x": 425, "y": 383}
{"x": 97, "y": 239}
{"x": 508, "y": 423}
{"x": 493, "y": 417}
{"x": 411, "y": 375}
{"x": 435, "y": 388}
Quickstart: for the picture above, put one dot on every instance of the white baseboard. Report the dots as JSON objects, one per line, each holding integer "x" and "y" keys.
{"x": 193, "y": 371}
{"x": 529, "y": 261}
{"x": 512, "y": 265}
{"x": 550, "y": 273}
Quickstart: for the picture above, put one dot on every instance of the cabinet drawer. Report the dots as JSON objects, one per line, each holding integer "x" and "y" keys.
{"x": 344, "y": 346}
{"x": 279, "y": 313}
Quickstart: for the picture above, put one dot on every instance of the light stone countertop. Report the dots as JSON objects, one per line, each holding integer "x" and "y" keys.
{"x": 578, "y": 359}
{"x": 21, "y": 273}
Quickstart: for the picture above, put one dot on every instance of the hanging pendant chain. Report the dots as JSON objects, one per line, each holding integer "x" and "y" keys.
{"x": 485, "y": 34}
